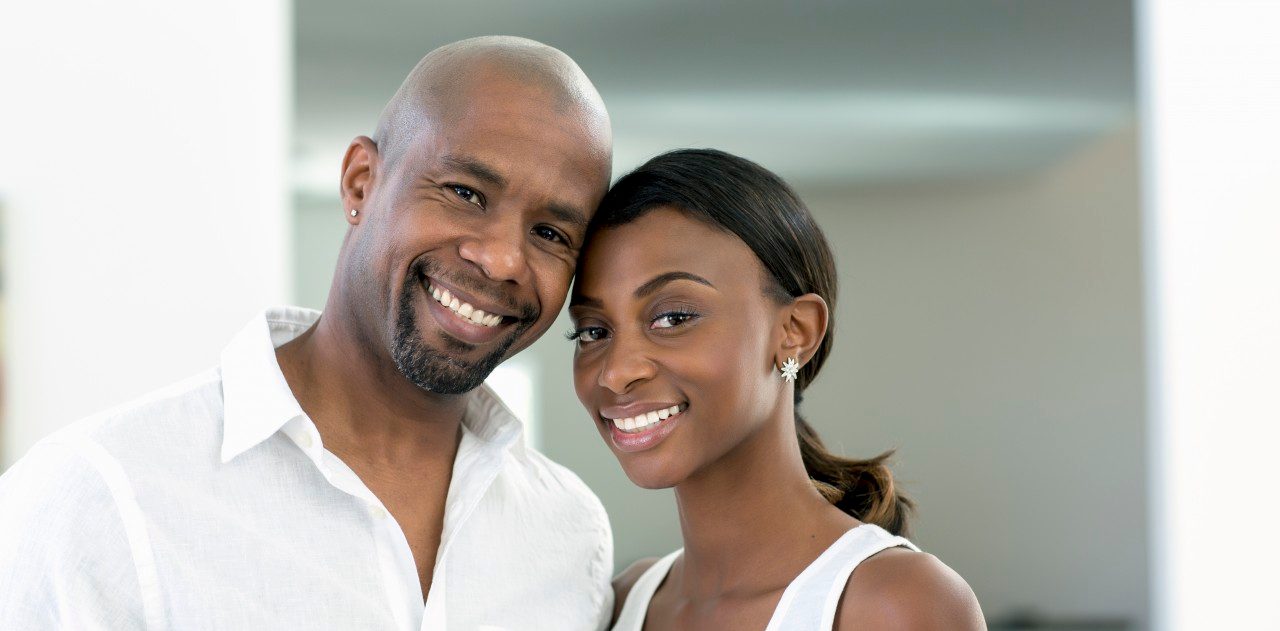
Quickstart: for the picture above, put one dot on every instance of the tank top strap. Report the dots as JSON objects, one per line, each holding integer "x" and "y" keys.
{"x": 631, "y": 618}
{"x": 810, "y": 601}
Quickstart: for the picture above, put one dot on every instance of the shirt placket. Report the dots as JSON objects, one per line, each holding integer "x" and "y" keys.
{"x": 474, "y": 470}
{"x": 395, "y": 558}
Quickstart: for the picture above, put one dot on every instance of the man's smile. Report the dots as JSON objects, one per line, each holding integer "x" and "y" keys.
{"x": 464, "y": 316}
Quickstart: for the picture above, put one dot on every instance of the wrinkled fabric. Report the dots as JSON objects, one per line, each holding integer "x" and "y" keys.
{"x": 212, "y": 504}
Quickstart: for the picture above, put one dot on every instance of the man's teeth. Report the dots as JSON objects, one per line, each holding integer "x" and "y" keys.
{"x": 641, "y": 422}
{"x": 464, "y": 310}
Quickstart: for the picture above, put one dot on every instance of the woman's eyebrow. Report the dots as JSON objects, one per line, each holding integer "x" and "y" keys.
{"x": 650, "y": 286}
{"x": 658, "y": 281}
{"x": 579, "y": 300}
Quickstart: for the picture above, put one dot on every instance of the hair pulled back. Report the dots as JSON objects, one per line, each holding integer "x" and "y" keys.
{"x": 751, "y": 202}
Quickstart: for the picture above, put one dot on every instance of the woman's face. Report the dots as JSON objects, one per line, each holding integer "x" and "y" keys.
{"x": 676, "y": 344}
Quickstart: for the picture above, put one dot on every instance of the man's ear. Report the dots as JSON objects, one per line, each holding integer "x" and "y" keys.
{"x": 359, "y": 168}
{"x": 804, "y": 324}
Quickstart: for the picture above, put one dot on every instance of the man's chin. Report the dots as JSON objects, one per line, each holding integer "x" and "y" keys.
{"x": 438, "y": 352}
{"x": 450, "y": 366}
{"x": 440, "y": 373}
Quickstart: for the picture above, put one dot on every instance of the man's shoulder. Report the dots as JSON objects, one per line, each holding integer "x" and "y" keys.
{"x": 181, "y": 413}
{"x": 549, "y": 484}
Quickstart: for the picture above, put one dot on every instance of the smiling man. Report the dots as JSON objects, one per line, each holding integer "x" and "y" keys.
{"x": 350, "y": 470}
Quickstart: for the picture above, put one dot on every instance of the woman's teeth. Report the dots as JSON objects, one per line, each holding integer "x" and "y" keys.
{"x": 641, "y": 422}
{"x": 462, "y": 309}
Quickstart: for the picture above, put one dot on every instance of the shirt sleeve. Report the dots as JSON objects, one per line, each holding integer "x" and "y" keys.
{"x": 65, "y": 557}
{"x": 602, "y": 561}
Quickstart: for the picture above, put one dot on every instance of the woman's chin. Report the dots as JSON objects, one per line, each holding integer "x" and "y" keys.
{"x": 652, "y": 476}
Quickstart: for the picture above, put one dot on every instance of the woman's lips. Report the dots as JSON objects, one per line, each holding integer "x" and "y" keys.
{"x": 647, "y": 435}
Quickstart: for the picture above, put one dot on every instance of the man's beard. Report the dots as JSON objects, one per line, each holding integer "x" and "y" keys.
{"x": 442, "y": 372}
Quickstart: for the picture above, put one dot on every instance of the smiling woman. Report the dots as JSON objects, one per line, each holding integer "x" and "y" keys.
{"x": 701, "y": 314}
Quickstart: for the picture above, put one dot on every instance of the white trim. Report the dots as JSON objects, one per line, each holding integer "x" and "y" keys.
{"x": 135, "y": 527}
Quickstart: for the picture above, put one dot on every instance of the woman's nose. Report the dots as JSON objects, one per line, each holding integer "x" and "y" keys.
{"x": 625, "y": 365}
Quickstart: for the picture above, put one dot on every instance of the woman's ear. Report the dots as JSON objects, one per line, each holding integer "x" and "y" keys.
{"x": 804, "y": 325}
{"x": 359, "y": 169}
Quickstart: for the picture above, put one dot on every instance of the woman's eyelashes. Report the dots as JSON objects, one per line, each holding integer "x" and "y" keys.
{"x": 586, "y": 334}
{"x": 672, "y": 319}
{"x": 666, "y": 320}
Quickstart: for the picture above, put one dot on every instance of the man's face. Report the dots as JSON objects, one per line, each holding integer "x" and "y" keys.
{"x": 468, "y": 242}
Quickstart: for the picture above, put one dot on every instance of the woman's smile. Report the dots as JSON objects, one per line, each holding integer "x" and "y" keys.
{"x": 641, "y": 430}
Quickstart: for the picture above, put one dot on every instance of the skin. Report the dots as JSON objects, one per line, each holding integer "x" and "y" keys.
{"x": 750, "y": 518}
{"x": 488, "y": 176}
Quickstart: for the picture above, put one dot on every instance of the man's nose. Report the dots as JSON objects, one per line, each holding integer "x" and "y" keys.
{"x": 498, "y": 252}
{"x": 625, "y": 365}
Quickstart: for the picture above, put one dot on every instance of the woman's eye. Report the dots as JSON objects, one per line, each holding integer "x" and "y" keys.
{"x": 550, "y": 234}
{"x": 467, "y": 195}
{"x": 668, "y": 320}
{"x": 587, "y": 334}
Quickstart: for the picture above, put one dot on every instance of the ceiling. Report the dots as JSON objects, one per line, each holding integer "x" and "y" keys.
{"x": 823, "y": 92}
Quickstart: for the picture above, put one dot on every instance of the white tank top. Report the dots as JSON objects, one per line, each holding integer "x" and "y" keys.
{"x": 809, "y": 602}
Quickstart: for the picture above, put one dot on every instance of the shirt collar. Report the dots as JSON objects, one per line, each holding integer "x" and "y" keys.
{"x": 491, "y": 421}
{"x": 257, "y": 401}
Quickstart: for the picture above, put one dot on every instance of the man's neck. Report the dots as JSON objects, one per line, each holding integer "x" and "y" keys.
{"x": 365, "y": 410}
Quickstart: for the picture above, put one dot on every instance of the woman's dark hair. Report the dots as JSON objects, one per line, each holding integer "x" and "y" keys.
{"x": 751, "y": 202}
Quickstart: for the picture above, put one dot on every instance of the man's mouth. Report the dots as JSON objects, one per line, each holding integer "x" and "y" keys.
{"x": 464, "y": 310}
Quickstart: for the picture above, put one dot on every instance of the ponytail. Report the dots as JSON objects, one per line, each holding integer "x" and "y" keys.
{"x": 861, "y": 488}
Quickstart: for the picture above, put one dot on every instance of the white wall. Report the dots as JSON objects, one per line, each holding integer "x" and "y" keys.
{"x": 145, "y": 193}
{"x": 1211, "y": 157}
{"x": 992, "y": 333}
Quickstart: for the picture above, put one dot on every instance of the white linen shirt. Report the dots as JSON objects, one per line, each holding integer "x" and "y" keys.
{"x": 213, "y": 504}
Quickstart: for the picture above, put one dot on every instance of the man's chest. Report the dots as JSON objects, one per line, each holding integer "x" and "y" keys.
{"x": 320, "y": 565}
{"x": 419, "y": 511}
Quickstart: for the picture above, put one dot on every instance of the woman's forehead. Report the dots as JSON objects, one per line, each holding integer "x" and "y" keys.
{"x": 664, "y": 240}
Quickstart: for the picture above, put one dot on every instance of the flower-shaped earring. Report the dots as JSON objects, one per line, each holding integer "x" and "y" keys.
{"x": 790, "y": 369}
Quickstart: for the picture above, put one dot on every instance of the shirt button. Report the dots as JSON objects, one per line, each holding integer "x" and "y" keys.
{"x": 378, "y": 512}
{"x": 304, "y": 440}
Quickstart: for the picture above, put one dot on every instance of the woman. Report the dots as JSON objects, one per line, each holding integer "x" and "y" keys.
{"x": 701, "y": 312}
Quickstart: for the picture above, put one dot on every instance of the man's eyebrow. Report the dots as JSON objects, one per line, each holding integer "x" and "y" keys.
{"x": 567, "y": 214}
{"x": 476, "y": 168}
{"x": 658, "y": 281}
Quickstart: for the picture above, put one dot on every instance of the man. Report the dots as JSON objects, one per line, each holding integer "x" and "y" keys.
{"x": 350, "y": 471}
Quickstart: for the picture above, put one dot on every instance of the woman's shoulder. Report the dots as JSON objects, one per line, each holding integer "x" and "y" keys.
{"x": 623, "y": 582}
{"x": 905, "y": 589}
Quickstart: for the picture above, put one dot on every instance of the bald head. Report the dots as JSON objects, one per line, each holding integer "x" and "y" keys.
{"x": 439, "y": 86}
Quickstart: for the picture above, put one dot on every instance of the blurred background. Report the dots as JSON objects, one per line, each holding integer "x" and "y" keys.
{"x": 976, "y": 166}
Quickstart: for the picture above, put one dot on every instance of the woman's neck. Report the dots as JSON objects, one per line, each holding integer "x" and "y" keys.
{"x": 753, "y": 520}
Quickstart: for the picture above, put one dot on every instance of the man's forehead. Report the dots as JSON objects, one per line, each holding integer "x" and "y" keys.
{"x": 494, "y": 86}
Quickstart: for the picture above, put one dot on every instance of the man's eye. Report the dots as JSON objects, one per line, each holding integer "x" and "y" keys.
{"x": 467, "y": 195}
{"x": 668, "y": 320}
{"x": 550, "y": 234}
